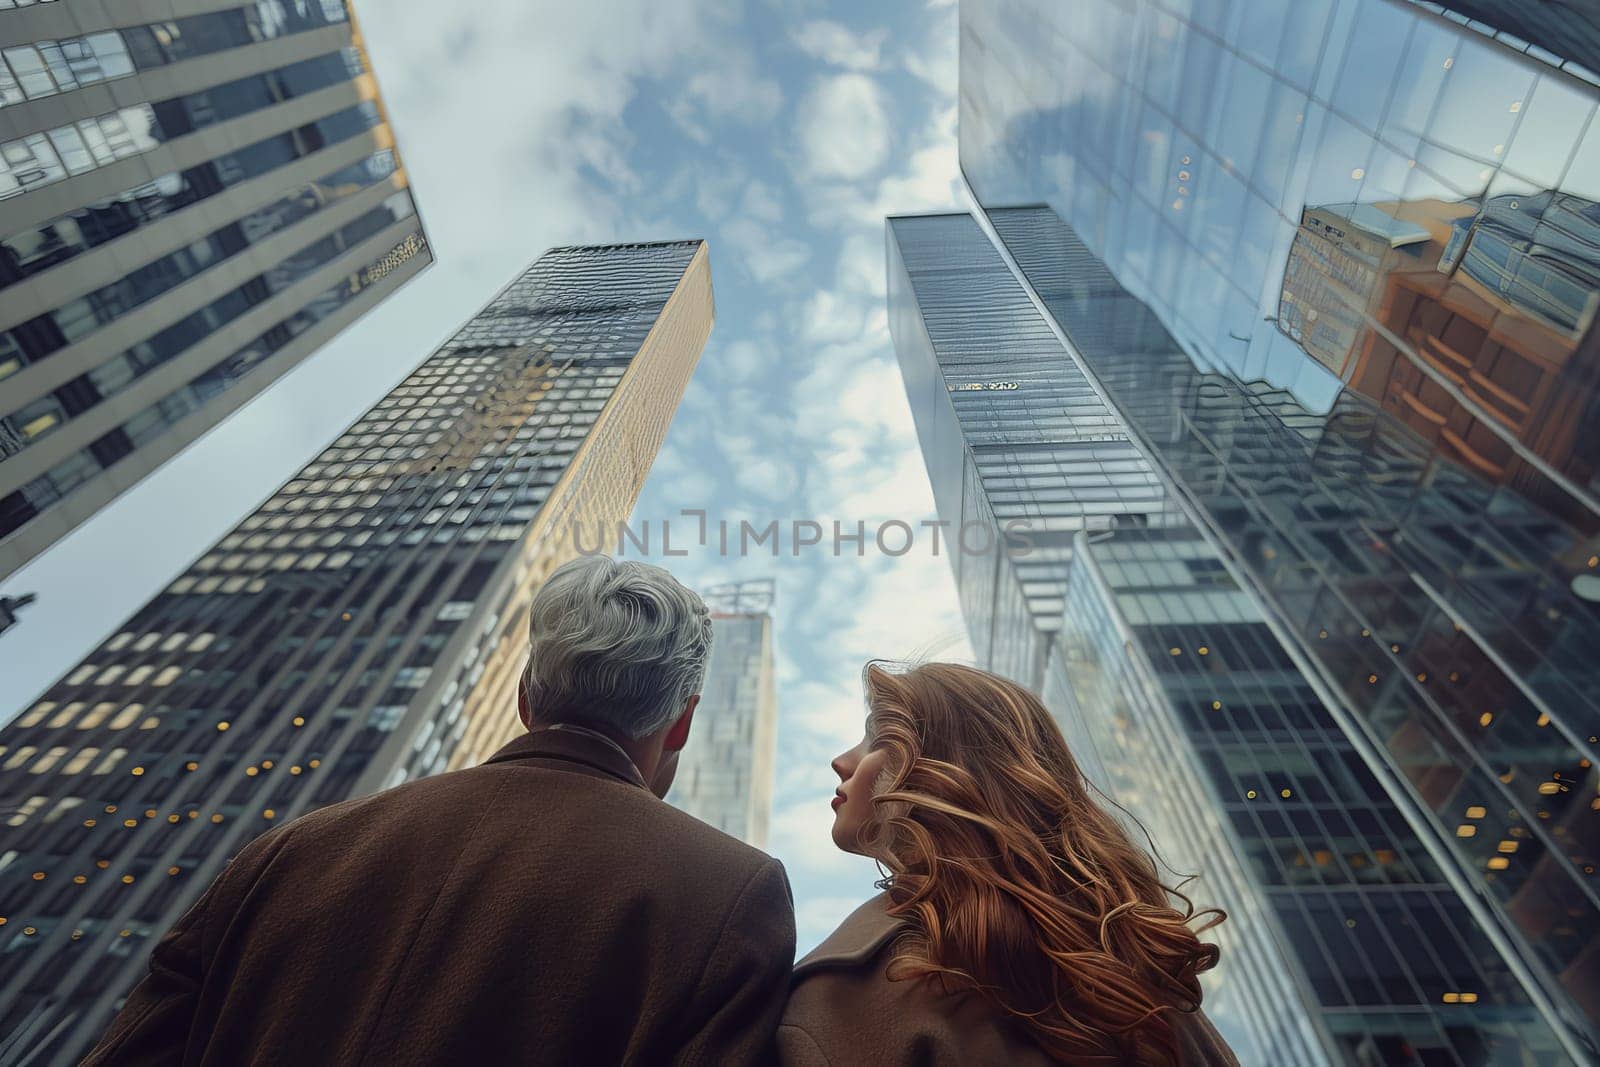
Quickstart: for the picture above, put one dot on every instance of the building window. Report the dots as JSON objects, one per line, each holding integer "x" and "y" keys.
{"x": 31, "y": 805}
{"x": 127, "y": 716}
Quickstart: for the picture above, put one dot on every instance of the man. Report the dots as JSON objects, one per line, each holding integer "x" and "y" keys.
{"x": 544, "y": 908}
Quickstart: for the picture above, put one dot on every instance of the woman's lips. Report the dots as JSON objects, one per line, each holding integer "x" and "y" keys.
{"x": 838, "y": 799}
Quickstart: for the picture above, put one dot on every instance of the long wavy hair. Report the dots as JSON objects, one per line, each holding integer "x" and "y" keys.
{"x": 1015, "y": 882}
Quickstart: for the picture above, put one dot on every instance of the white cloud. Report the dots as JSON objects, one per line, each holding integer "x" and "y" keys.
{"x": 861, "y": 264}
{"x": 761, "y": 252}
{"x": 728, "y": 90}
{"x": 839, "y": 45}
{"x": 761, "y": 202}
{"x": 831, "y": 316}
{"x": 930, "y": 180}
{"x": 744, "y": 360}
{"x": 937, "y": 61}
{"x": 844, "y": 127}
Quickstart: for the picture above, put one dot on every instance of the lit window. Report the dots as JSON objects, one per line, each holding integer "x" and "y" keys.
{"x": 80, "y": 762}
{"x": 20, "y": 756}
{"x": 127, "y": 716}
{"x": 37, "y": 713}
{"x": 96, "y": 716}
{"x": 110, "y": 674}
{"x": 50, "y": 759}
{"x": 120, "y": 641}
{"x": 138, "y": 675}
{"x": 167, "y": 676}
{"x": 66, "y": 715}
{"x": 113, "y": 758}
{"x": 31, "y": 805}
{"x": 82, "y": 674}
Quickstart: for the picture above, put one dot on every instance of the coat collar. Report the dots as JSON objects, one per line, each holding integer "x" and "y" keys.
{"x": 573, "y": 744}
{"x": 857, "y": 940}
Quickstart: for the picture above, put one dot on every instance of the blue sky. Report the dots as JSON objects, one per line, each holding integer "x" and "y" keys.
{"x": 782, "y": 133}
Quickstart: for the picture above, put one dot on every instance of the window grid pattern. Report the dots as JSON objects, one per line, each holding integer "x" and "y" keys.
{"x": 149, "y": 282}
{"x": 1411, "y": 492}
{"x": 340, "y": 637}
{"x": 64, "y": 151}
{"x": 45, "y": 68}
{"x": 1185, "y": 707}
{"x": 726, "y": 777}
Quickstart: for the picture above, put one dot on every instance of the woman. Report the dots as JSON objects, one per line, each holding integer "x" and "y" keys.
{"x": 1019, "y": 924}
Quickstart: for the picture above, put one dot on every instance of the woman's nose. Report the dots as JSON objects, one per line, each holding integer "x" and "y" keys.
{"x": 843, "y": 765}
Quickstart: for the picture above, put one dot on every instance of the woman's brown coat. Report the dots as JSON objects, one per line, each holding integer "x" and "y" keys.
{"x": 844, "y": 1010}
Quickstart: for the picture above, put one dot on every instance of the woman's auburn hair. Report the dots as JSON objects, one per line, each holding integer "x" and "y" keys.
{"x": 1015, "y": 883}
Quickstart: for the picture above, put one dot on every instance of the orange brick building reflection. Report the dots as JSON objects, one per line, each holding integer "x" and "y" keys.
{"x": 1497, "y": 303}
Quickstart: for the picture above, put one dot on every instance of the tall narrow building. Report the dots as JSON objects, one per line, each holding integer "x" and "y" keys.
{"x": 726, "y": 777}
{"x": 195, "y": 195}
{"x": 1333, "y": 266}
{"x": 365, "y": 625}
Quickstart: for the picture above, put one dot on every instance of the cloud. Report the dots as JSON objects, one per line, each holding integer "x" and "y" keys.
{"x": 746, "y": 359}
{"x": 761, "y": 252}
{"x": 843, "y": 126}
{"x": 728, "y": 91}
{"x": 937, "y": 61}
{"x": 840, "y": 46}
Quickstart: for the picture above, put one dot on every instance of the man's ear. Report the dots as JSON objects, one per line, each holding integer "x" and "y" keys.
{"x": 678, "y": 732}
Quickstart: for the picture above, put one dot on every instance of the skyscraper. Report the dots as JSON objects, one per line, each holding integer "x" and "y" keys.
{"x": 194, "y": 197}
{"x": 1331, "y": 265}
{"x": 725, "y": 778}
{"x": 365, "y": 625}
{"x": 1169, "y": 686}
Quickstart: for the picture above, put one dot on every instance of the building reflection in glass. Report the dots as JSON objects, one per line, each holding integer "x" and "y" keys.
{"x": 1334, "y": 265}
{"x": 1179, "y": 700}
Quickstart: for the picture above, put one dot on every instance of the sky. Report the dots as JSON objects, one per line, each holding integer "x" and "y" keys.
{"x": 782, "y": 133}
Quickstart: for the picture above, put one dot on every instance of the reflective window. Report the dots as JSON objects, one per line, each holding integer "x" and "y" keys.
{"x": 41, "y": 158}
{"x": 1339, "y": 286}
{"x": 150, "y": 281}
{"x": 40, "y": 247}
{"x": 45, "y": 68}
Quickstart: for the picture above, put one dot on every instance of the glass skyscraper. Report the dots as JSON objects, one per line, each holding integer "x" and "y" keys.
{"x": 365, "y": 625}
{"x": 726, "y": 777}
{"x": 1170, "y": 687}
{"x": 1332, "y": 266}
{"x": 194, "y": 196}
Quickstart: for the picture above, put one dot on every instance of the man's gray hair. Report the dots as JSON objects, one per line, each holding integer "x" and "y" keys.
{"x": 617, "y": 643}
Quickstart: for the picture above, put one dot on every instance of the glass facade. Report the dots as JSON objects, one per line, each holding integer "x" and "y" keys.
{"x": 1182, "y": 704}
{"x": 366, "y": 624}
{"x": 122, "y": 298}
{"x": 726, "y": 777}
{"x": 1015, "y": 438}
{"x": 1332, "y": 265}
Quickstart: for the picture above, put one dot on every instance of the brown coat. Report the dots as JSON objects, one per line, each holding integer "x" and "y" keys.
{"x": 844, "y": 1010}
{"x": 543, "y": 908}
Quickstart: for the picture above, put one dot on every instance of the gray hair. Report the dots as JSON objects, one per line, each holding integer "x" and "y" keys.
{"x": 618, "y": 643}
